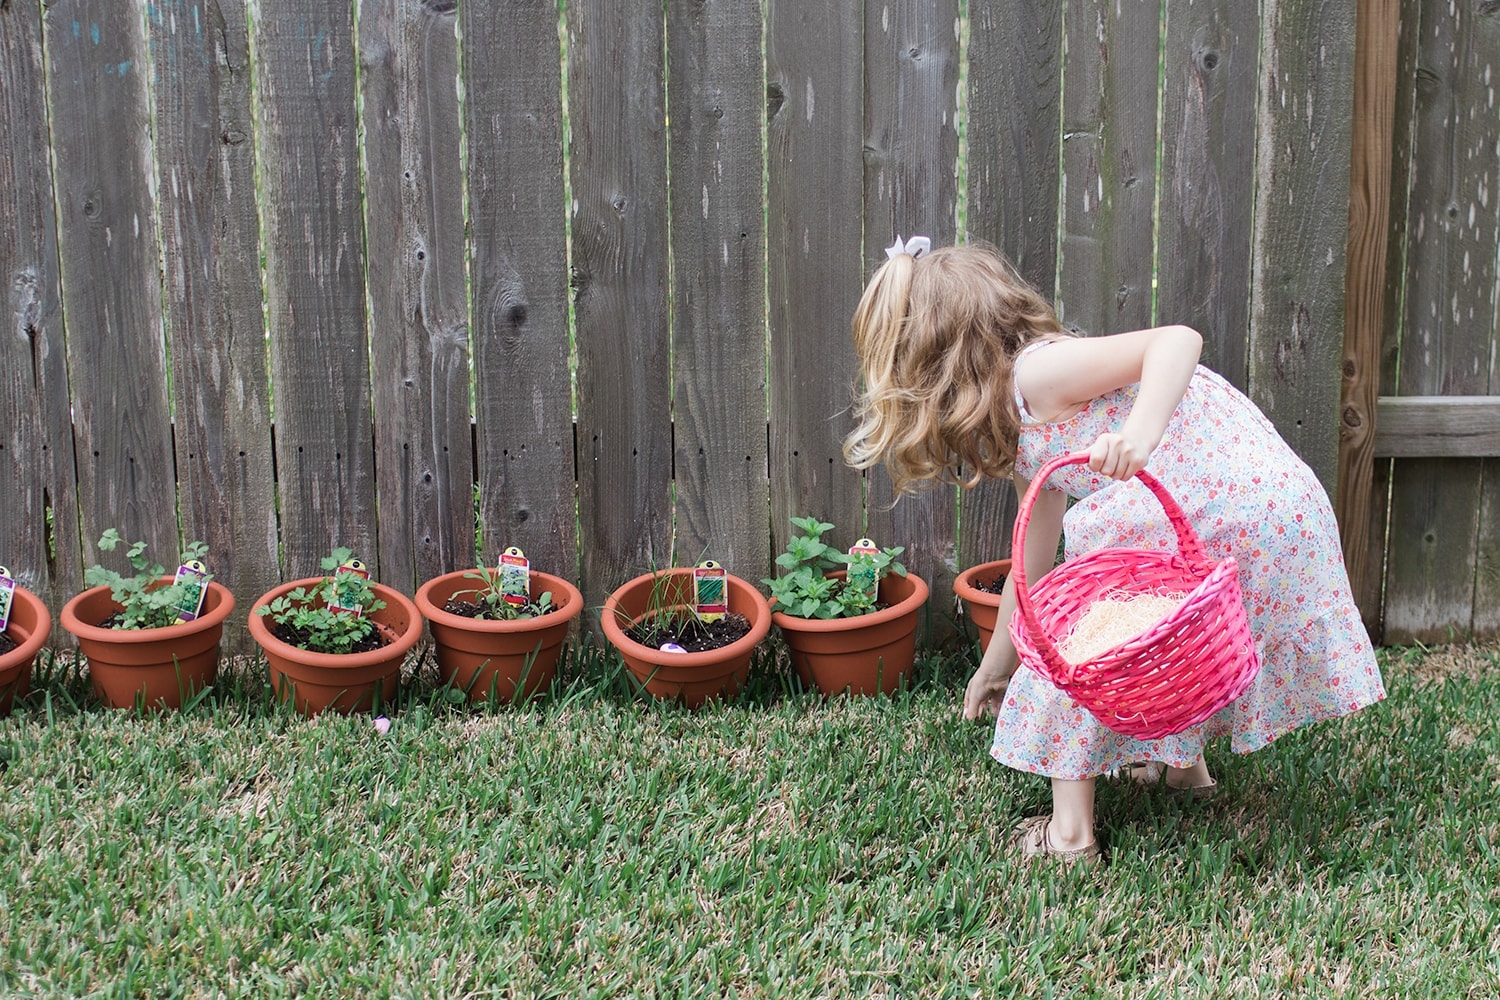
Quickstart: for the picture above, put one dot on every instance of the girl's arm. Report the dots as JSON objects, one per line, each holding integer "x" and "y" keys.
{"x": 987, "y": 687}
{"x": 1061, "y": 380}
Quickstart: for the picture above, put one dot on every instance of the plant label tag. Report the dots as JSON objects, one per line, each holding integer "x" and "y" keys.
{"x": 863, "y": 575}
{"x": 515, "y": 577}
{"x": 343, "y": 592}
{"x": 192, "y": 576}
{"x": 7, "y": 595}
{"x": 710, "y": 591}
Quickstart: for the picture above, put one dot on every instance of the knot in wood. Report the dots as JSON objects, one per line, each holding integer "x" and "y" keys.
{"x": 1209, "y": 60}
{"x": 1352, "y": 419}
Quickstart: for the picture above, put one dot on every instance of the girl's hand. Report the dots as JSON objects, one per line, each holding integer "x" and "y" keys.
{"x": 985, "y": 692}
{"x": 1117, "y": 456}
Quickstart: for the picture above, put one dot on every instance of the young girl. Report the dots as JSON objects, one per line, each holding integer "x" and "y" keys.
{"x": 968, "y": 375}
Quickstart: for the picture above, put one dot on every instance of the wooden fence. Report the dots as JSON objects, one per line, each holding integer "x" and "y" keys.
{"x": 285, "y": 276}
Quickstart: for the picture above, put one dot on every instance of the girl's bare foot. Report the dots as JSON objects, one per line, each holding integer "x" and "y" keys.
{"x": 1194, "y": 781}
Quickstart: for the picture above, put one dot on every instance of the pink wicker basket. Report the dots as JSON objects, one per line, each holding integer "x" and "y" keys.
{"x": 1171, "y": 677}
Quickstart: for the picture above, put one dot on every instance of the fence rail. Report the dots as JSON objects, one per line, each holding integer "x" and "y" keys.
{"x": 581, "y": 275}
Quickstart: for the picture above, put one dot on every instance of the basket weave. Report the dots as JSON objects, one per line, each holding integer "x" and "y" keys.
{"x": 1172, "y": 676}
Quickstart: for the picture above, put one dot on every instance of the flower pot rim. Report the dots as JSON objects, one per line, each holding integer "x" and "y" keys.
{"x": 963, "y": 584}
{"x": 399, "y": 646}
{"x": 211, "y": 618}
{"x": 760, "y": 625}
{"x": 909, "y": 605}
{"x": 570, "y": 608}
{"x": 27, "y": 650}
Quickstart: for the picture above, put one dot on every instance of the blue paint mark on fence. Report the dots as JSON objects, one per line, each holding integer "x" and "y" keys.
{"x": 94, "y": 33}
{"x": 77, "y": 29}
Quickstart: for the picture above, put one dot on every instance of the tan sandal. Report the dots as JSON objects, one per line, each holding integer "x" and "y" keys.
{"x": 1154, "y": 772}
{"x": 1031, "y": 839}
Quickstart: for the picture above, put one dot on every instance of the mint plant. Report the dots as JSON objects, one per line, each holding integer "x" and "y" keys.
{"x": 306, "y": 614}
{"x": 144, "y": 603}
{"x": 804, "y": 590}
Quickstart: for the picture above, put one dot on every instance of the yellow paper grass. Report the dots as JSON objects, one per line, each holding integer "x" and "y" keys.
{"x": 1113, "y": 619}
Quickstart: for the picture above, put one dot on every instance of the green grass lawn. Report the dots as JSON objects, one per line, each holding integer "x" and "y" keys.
{"x": 598, "y": 845}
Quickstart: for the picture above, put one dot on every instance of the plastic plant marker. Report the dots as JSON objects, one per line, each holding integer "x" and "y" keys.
{"x": 515, "y": 577}
{"x": 343, "y": 599}
{"x": 7, "y": 595}
{"x": 193, "y": 577}
{"x": 864, "y": 576}
{"x": 710, "y": 591}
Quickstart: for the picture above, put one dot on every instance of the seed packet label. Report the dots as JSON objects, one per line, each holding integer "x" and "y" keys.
{"x": 193, "y": 578}
{"x": 7, "y": 595}
{"x": 863, "y": 575}
{"x": 515, "y": 577}
{"x": 344, "y": 589}
{"x": 710, "y": 591}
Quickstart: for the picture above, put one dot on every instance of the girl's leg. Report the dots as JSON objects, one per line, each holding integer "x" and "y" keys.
{"x": 1196, "y": 776}
{"x": 1072, "y": 825}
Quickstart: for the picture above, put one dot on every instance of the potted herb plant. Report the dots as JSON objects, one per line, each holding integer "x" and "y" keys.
{"x": 24, "y": 628}
{"x": 335, "y": 641}
{"x": 978, "y": 588}
{"x": 676, "y": 648}
{"x": 149, "y": 637}
{"x": 859, "y": 637}
{"x": 496, "y": 641}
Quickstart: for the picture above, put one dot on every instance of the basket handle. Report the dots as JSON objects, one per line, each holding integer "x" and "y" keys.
{"x": 1188, "y": 544}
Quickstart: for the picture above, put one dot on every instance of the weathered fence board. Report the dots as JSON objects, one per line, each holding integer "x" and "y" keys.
{"x": 911, "y": 187}
{"x": 97, "y": 80}
{"x": 320, "y": 364}
{"x": 1376, "y": 62}
{"x": 1112, "y": 55}
{"x": 519, "y": 269}
{"x": 1487, "y": 553}
{"x": 36, "y": 436}
{"x": 1486, "y": 49}
{"x": 1438, "y": 427}
{"x": 1301, "y": 222}
{"x": 619, "y": 176}
{"x": 1371, "y": 595}
{"x": 215, "y": 326}
{"x": 419, "y": 323}
{"x": 716, "y": 98}
{"x": 1208, "y": 111}
{"x": 1015, "y": 93}
{"x": 1449, "y": 319}
{"x": 815, "y": 256}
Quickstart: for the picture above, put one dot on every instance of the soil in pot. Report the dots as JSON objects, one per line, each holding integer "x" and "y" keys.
{"x": 6, "y": 645}
{"x": 994, "y": 585}
{"x": 295, "y": 637}
{"x": 483, "y": 612}
{"x": 691, "y": 634}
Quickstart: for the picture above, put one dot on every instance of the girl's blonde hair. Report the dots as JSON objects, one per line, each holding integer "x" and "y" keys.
{"x": 937, "y": 339}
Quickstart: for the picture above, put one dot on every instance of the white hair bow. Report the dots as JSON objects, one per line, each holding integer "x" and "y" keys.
{"x": 916, "y": 246}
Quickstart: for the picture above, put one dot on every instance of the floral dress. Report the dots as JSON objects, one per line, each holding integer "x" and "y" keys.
{"x": 1246, "y": 494}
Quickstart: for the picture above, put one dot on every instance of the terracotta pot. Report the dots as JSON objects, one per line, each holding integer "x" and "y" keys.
{"x": 341, "y": 682}
{"x": 502, "y": 660}
{"x": 862, "y": 655}
{"x": 692, "y": 677}
{"x": 162, "y": 666}
{"x": 29, "y": 628}
{"x": 981, "y": 606}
